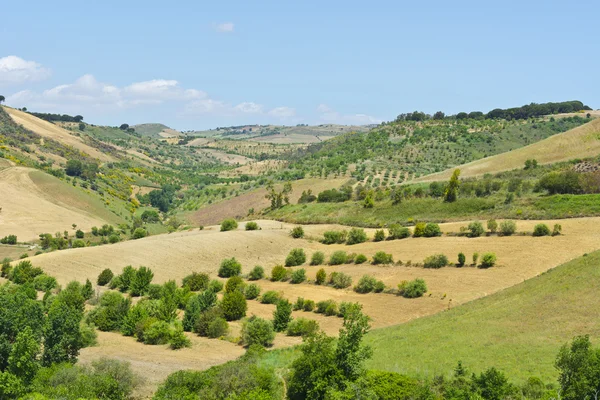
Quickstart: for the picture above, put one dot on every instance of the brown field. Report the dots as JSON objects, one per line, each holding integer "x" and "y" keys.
{"x": 49, "y": 130}
{"x": 175, "y": 255}
{"x": 293, "y": 138}
{"x": 256, "y": 168}
{"x": 580, "y": 142}
{"x": 225, "y": 157}
{"x": 31, "y": 206}
{"x": 238, "y": 207}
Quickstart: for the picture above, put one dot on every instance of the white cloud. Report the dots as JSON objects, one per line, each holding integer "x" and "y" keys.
{"x": 329, "y": 115}
{"x": 225, "y": 27}
{"x": 249, "y": 108}
{"x": 14, "y": 70}
{"x": 283, "y": 112}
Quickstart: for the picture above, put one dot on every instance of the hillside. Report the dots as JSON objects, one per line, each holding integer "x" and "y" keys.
{"x": 580, "y": 142}
{"x": 518, "y": 330}
{"x": 151, "y": 129}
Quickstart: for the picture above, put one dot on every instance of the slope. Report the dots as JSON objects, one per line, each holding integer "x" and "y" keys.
{"x": 49, "y": 130}
{"x": 580, "y": 142}
{"x": 518, "y": 330}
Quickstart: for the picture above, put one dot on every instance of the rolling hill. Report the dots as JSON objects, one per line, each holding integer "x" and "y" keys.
{"x": 155, "y": 130}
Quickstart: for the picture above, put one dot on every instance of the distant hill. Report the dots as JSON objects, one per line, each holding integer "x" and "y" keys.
{"x": 155, "y": 130}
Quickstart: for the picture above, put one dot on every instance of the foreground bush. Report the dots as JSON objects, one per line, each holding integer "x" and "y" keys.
{"x": 295, "y": 258}
{"x": 257, "y": 273}
{"x": 257, "y": 331}
{"x": 488, "y": 260}
{"x": 432, "y": 230}
{"x": 435, "y": 261}
{"x": 279, "y": 274}
{"x": 541, "y": 230}
{"x": 419, "y": 230}
{"x": 270, "y": 297}
{"x": 338, "y": 258}
{"x": 196, "y": 281}
{"x": 44, "y": 283}
{"x": 302, "y": 327}
{"x": 282, "y": 315}
{"x": 320, "y": 277}
{"x": 327, "y": 307}
{"x": 412, "y": 289}
{"x": 368, "y": 284}
{"x": 475, "y": 229}
{"x": 340, "y": 280}
{"x": 234, "y": 306}
{"x": 229, "y": 267}
{"x": 333, "y": 237}
{"x": 206, "y": 319}
{"x": 252, "y": 291}
{"x": 235, "y": 283}
{"x": 360, "y": 259}
{"x": 397, "y": 231}
{"x": 252, "y": 226}
{"x": 381, "y": 257}
{"x": 298, "y": 276}
{"x": 297, "y": 232}
{"x": 492, "y": 225}
{"x": 317, "y": 258}
{"x": 508, "y": 228}
{"x": 379, "y": 235}
{"x": 229, "y": 225}
{"x": 461, "y": 259}
{"x": 356, "y": 235}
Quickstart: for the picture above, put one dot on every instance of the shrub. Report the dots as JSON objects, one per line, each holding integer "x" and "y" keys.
{"x": 332, "y": 237}
{"x": 541, "y": 230}
{"x": 302, "y": 327}
{"x": 215, "y": 286}
{"x": 298, "y": 276}
{"x": 346, "y": 308}
{"x": 366, "y": 284}
{"x": 356, "y": 235}
{"x": 327, "y": 307}
{"x": 557, "y": 230}
{"x": 379, "y": 235}
{"x": 159, "y": 332}
{"x": 488, "y": 260}
{"x": 23, "y": 273}
{"x": 178, "y": 340}
{"x": 419, "y": 230}
{"x": 297, "y": 232}
{"x": 317, "y": 258}
{"x": 282, "y": 315}
{"x": 507, "y": 228}
{"x": 78, "y": 243}
{"x": 229, "y": 267}
{"x": 217, "y": 328}
{"x": 397, "y": 231}
{"x": 279, "y": 273}
{"x": 205, "y": 319}
{"x": 79, "y": 234}
{"x": 196, "y": 281}
{"x": 234, "y": 306}
{"x": 475, "y": 229}
{"x": 257, "y": 273}
{"x": 6, "y": 268}
{"x": 257, "y": 331}
{"x": 308, "y": 305}
{"x": 475, "y": 258}
{"x": 10, "y": 239}
{"x": 492, "y": 225}
{"x": 432, "y": 230}
{"x": 295, "y": 258}
{"x": 44, "y": 283}
{"x": 340, "y": 280}
{"x": 461, "y": 259}
{"x": 141, "y": 281}
{"x": 139, "y": 233}
{"x": 320, "y": 277}
{"x": 379, "y": 287}
{"x": 381, "y": 257}
{"x": 105, "y": 277}
{"x": 339, "y": 257}
{"x": 412, "y": 289}
{"x": 235, "y": 283}
{"x": 252, "y": 226}
{"x": 229, "y": 225}
{"x": 270, "y": 297}
{"x": 252, "y": 291}
{"x": 114, "y": 238}
{"x": 435, "y": 261}
{"x": 360, "y": 259}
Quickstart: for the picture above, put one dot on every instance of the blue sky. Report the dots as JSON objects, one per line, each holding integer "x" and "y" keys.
{"x": 198, "y": 64}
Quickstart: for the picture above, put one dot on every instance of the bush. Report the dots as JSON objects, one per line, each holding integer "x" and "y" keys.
{"x": 507, "y": 228}
{"x": 282, "y": 315}
{"x": 79, "y": 234}
{"x": 159, "y": 332}
{"x": 141, "y": 281}
{"x": 139, "y": 233}
{"x": 346, "y": 308}
{"x": 475, "y": 258}
{"x": 229, "y": 267}
{"x": 367, "y": 284}
{"x": 279, "y": 274}
{"x": 299, "y": 304}
{"x": 215, "y": 286}
{"x": 178, "y": 340}
{"x": 356, "y": 235}
{"x": 321, "y": 276}
{"x": 23, "y": 273}
{"x": 44, "y": 283}
{"x": 541, "y": 230}
{"x": 258, "y": 331}
{"x": 252, "y": 291}
{"x": 114, "y": 238}
{"x": 6, "y": 268}
{"x": 235, "y": 283}
{"x": 379, "y": 235}
{"x": 435, "y": 261}
{"x": 492, "y": 225}
{"x": 412, "y": 289}
{"x": 317, "y": 258}
{"x": 557, "y": 230}
{"x": 298, "y": 276}
{"x": 205, "y": 319}
{"x": 475, "y": 229}
{"x": 397, "y": 231}
{"x": 78, "y": 243}
{"x": 295, "y": 258}
{"x": 379, "y": 287}
{"x": 332, "y": 237}
{"x": 270, "y": 297}
{"x": 419, "y": 230}
{"x": 217, "y": 328}
{"x": 308, "y": 305}
{"x": 257, "y": 273}
{"x": 302, "y": 327}
{"x": 360, "y": 259}
{"x": 339, "y": 257}
{"x": 297, "y": 232}
{"x": 229, "y": 225}
{"x": 327, "y": 307}
{"x": 432, "y": 230}
{"x": 196, "y": 281}
{"x": 10, "y": 239}
{"x": 340, "y": 280}
{"x": 488, "y": 260}
{"x": 381, "y": 257}
{"x": 234, "y": 306}
{"x": 252, "y": 226}
{"x": 461, "y": 259}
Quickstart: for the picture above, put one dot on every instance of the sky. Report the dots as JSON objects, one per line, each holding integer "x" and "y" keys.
{"x": 200, "y": 64}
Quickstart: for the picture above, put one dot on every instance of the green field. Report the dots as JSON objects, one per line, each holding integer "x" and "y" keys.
{"x": 518, "y": 330}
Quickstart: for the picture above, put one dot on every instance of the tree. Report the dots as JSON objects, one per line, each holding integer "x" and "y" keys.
{"x": 74, "y": 168}
{"x": 81, "y": 126}
{"x": 105, "y": 277}
{"x": 229, "y": 267}
{"x": 278, "y": 198}
{"x": 295, "y": 258}
{"x": 257, "y": 331}
{"x": 167, "y": 309}
{"x": 141, "y": 281}
{"x": 62, "y": 333}
{"x": 22, "y": 361}
{"x": 451, "y": 192}
{"x": 439, "y": 115}
{"x": 234, "y": 305}
{"x": 124, "y": 127}
{"x": 579, "y": 369}
{"x": 87, "y": 291}
{"x": 282, "y": 315}
{"x": 2, "y": 99}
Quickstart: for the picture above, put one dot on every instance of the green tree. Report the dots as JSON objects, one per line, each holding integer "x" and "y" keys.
{"x": 295, "y": 258}
{"x": 282, "y": 315}
{"x": 167, "y": 308}
{"x": 2, "y": 98}
{"x": 141, "y": 281}
{"x": 87, "y": 291}
{"x": 278, "y": 198}
{"x": 62, "y": 333}
{"x": 451, "y": 192}
{"x": 579, "y": 369}
{"x": 74, "y": 168}
{"x": 257, "y": 331}
{"x": 22, "y": 361}
{"x": 229, "y": 267}
{"x": 234, "y": 305}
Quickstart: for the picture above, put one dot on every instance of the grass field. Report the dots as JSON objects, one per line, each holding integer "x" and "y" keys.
{"x": 518, "y": 330}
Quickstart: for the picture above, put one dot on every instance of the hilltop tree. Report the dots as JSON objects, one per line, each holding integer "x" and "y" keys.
{"x": 439, "y": 115}
{"x": 2, "y": 98}
{"x": 124, "y": 127}
{"x": 451, "y": 192}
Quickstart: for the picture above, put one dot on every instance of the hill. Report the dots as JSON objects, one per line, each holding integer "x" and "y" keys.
{"x": 580, "y": 142}
{"x": 518, "y": 330}
{"x": 153, "y": 130}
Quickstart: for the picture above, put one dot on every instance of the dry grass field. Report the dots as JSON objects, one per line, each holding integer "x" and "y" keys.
{"x": 49, "y": 130}
{"x": 225, "y": 157}
{"x": 581, "y": 142}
